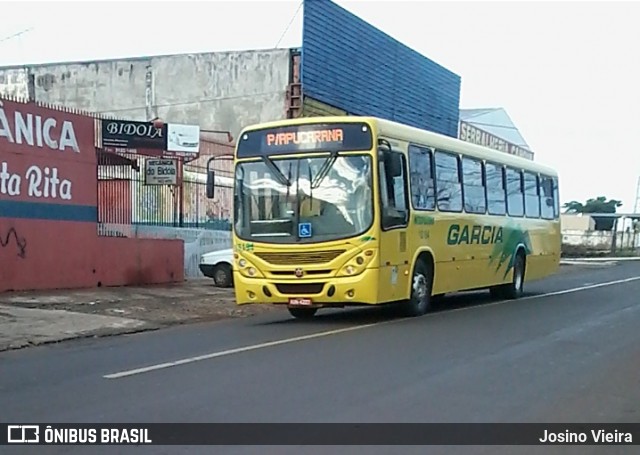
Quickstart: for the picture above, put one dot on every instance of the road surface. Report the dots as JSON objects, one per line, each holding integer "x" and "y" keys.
{"x": 567, "y": 352}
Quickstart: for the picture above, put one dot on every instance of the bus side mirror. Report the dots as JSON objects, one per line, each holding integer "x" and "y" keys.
{"x": 211, "y": 183}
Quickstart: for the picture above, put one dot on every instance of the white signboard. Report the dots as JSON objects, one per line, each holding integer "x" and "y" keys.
{"x": 161, "y": 172}
{"x": 183, "y": 138}
{"x": 469, "y": 133}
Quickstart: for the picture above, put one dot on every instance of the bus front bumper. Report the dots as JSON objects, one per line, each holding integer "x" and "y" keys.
{"x": 360, "y": 289}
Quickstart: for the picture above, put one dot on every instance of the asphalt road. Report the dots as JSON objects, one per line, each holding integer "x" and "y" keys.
{"x": 568, "y": 352}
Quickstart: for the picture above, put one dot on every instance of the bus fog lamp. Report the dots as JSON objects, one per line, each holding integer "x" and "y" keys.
{"x": 251, "y": 271}
{"x": 349, "y": 269}
{"x": 351, "y": 293}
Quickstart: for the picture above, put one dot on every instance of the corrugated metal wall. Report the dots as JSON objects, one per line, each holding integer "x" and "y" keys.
{"x": 352, "y": 65}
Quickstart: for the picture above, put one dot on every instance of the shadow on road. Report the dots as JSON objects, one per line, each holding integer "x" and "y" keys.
{"x": 382, "y": 313}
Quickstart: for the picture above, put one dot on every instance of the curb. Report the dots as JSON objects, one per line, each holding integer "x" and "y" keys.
{"x": 602, "y": 259}
{"x": 100, "y": 333}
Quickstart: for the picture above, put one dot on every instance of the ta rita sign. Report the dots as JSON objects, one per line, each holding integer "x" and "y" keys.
{"x": 161, "y": 172}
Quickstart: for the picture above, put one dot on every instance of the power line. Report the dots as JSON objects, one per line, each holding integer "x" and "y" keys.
{"x": 15, "y": 35}
{"x": 290, "y": 22}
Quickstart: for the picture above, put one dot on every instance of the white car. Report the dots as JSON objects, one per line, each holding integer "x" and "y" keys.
{"x": 217, "y": 265}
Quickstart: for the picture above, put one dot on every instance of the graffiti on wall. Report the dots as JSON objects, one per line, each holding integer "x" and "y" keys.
{"x": 20, "y": 242}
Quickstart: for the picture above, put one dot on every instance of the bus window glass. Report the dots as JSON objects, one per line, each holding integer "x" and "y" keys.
{"x": 556, "y": 198}
{"x": 496, "y": 201}
{"x": 336, "y": 205}
{"x": 449, "y": 190}
{"x": 515, "y": 197}
{"x": 422, "y": 187}
{"x": 473, "y": 185}
{"x": 546, "y": 199}
{"x": 531, "y": 196}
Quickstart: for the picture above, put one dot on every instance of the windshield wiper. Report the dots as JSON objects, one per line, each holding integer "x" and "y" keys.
{"x": 324, "y": 170}
{"x": 279, "y": 175}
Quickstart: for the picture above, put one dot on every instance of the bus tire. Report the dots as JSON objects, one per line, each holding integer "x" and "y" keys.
{"x": 514, "y": 289}
{"x": 419, "y": 302}
{"x": 303, "y": 313}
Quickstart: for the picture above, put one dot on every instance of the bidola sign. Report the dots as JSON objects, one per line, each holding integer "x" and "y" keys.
{"x": 129, "y": 134}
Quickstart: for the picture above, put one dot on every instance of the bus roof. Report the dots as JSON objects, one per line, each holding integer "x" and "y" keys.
{"x": 402, "y": 132}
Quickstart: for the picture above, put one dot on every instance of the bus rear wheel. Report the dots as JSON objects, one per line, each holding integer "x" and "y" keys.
{"x": 514, "y": 289}
{"x": 303, "y": 313}
{"x": 420, "y": 301}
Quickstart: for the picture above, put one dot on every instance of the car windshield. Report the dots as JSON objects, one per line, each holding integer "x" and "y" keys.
{"x": 303, "y": 199}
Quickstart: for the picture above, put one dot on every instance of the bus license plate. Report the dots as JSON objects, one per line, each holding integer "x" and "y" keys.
{"x": 300, "y": 301}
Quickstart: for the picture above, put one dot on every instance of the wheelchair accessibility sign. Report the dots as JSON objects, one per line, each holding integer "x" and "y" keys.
{"x": 304, "y": 230}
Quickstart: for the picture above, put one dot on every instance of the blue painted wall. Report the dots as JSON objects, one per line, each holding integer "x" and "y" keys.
{"x": 352, "y": 65}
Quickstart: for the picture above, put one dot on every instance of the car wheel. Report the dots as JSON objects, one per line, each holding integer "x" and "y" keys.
{"x": 222, "y": 275}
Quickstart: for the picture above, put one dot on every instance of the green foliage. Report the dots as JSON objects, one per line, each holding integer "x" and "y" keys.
{"x": 595, "y": 205}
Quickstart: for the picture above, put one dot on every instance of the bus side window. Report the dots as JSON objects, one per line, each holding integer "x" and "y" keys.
{"x": 531, "y": 195}
{"x": 547, "y": 202}
{"x": 496, "y": 200}
{"x": 473, "y": 186}
{"x": 421, "y": 172}
{"x": 448, "y": 187}
{"x": 515, "y": 195}
{"x": 556, "y": 198}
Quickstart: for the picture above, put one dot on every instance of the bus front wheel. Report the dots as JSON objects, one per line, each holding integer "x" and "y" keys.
{"x": 420, "y": 300}
{"x": 303, "y": 313}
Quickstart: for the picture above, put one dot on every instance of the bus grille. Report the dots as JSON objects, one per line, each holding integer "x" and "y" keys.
{"x": 299, "y": 288}
{"x": 312, "y": 257}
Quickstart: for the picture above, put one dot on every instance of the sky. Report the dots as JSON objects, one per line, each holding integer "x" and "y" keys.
{"x": 567, "y": 73}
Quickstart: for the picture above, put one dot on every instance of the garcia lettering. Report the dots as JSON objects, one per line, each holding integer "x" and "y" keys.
{"x": 37, "y": 131}
{"x": 475, "y": 234}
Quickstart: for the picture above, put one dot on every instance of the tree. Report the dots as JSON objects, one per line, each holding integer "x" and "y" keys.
{"x": 597, "y": 205}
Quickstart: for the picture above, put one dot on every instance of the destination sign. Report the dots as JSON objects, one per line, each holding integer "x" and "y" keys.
{"x": 319, "y": 137}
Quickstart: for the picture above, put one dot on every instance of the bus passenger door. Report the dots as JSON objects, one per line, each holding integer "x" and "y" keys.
{"x": 394, "y": 215}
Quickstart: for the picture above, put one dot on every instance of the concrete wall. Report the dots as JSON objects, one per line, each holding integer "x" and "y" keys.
{"x": 600, "y": 240}
{"x": 224, "y": 90}
{"x": 48, "y": 210}
{"x": 196, "y": 241}
{"x": 14, "y": 83}
{"x": 577, "y": 222}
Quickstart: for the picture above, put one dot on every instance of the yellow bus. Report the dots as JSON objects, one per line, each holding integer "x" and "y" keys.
{"x": 342, "y": 211}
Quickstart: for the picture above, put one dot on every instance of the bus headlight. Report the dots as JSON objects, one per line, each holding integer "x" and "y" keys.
{"x": 357, "y": 264}
{"x": 246, "y": 268}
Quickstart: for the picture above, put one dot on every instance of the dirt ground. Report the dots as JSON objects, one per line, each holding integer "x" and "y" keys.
{"x": 187, "y": 302}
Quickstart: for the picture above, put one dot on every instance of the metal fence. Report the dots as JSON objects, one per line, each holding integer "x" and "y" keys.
{"x": 126, "y": 201}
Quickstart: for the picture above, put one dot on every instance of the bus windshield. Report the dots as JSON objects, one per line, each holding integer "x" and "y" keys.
{"x": 303, "y": 200}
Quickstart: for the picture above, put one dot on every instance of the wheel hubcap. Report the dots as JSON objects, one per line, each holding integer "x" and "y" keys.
{"x": 420, "y": 287}
{"x": 518, "y": 280}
